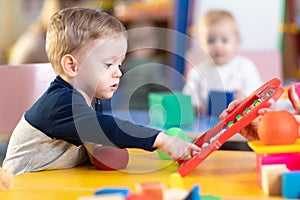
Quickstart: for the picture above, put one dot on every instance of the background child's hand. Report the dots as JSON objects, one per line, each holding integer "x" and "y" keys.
{"x": 294, "y": 98}
{"x": 176, "y": 148}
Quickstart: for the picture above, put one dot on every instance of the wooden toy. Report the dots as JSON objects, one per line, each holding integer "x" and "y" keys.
{"x": 194, "y": 194}
{"x": 103, "y": 197}
{"x": 291, "y": 160}
{"x": 271, "y": 178}
{"x": 6, "y": 179}
{"x": 175, "y": 194}
{"x": 215, "y": 137}
{"x": 176, "y": 181}
{"x": 155, "y": 190}
{"x": 210, "y": 197}
{"x": 121, "y": 191}
{"x": 290, "y": 184}
{"x": 135, "y": 196}
{"x": 110, "y": 158}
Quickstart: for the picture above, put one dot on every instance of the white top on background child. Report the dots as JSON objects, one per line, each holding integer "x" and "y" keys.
{"x": 219, "y": 37}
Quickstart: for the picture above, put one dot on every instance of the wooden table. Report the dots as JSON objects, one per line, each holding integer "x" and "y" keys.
{"x": 226, "y": 174}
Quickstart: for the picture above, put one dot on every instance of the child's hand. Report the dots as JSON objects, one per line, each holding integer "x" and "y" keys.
{"x": 176, "y": 148}
{"x": 294, "y": 98}
{"x": 250, "y": 131}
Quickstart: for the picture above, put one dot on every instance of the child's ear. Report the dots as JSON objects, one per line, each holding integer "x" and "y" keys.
{"x": 69, "y": 65}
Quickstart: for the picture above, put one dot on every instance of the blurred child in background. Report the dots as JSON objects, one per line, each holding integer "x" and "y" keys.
{"x": 227, "y": 71}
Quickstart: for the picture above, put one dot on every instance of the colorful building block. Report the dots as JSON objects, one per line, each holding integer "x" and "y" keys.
{"x": 176, "y": 181}
{"x": 135, "y": 196}
{"x": 290, "y": 184}
{"x": 121, "y": 191}
{"x": 171, "y": 109}
{"x": 173, "y": 194}
{"x": 271, "y": 178}
{"x": 103, "y": 197}
{"x": 291, "y": 160}
{"x": 194, "y": 194}
{"x": 155, "y": 190}
{"x": 209, "y": 197}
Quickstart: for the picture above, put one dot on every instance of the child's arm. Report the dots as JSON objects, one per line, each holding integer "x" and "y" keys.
{"x": 176, "y": 148}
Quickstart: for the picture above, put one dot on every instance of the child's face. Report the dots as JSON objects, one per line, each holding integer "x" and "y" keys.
{"x": 100, "y": 72}
{"x": 220, "y": 40}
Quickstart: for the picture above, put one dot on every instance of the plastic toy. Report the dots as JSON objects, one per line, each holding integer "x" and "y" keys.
{"x": 290, "y": 160}
{"x": 215, "y": 137}
{"x": 122, "y": 191}
{"x": 290, "y": 184}
{"x": 110, "y": 158}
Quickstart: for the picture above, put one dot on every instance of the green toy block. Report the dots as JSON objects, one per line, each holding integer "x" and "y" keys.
{"x": 171, "y": 109}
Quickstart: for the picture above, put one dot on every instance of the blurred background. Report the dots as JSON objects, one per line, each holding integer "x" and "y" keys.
{"x": 269, "y": 33}
{"x": 269, "y": 29}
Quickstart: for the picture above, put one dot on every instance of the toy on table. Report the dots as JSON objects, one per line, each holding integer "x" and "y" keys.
{"x": 285, "y": 131}
{"x": 278, "y": 154}
{"x": 110, "y": 158}
{"x": 239, "y": 118}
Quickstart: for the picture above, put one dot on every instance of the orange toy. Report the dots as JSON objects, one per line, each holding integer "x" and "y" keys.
{"x": 278, "y": 128}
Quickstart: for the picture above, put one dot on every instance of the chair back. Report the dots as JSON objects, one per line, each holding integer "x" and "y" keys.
{"x": 21, "y": 86}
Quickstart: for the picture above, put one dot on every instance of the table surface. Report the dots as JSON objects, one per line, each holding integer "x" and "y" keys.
{"x": 226, "y": 174}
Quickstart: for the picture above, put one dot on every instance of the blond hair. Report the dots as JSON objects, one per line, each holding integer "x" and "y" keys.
{"x": 71, "y": 29}
{"x": 215, "y": 16}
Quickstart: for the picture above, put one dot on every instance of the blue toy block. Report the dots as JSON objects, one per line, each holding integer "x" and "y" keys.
{"x": 194, "y": 194}
{"x": 290, "y": 184}
{"x": 123, "y": 191}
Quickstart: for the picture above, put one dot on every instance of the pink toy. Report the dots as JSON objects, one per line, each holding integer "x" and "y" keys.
{"x": 291, "y": 160}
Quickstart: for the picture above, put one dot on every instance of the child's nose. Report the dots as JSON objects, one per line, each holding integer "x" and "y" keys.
{"x": 117, "y": 72}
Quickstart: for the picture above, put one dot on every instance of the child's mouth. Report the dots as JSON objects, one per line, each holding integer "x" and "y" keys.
{"x": 115, "y": 86}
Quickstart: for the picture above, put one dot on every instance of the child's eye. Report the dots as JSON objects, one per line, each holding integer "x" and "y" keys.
{"x": 210, "y": 41}
{"x": 108, "y": 65}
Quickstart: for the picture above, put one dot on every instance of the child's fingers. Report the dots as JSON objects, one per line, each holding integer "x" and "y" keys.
{"x": 297, "y": 117}
{"x": 264, "y": 111}
{"x": 230, "y": 108}
{"x": 195, "y": 147}
{"x": 292, "y": 94}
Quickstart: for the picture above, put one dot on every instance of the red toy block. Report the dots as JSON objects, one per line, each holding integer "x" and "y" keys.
{"x": 110, "y": 158}
{"x": 155, "y": 190}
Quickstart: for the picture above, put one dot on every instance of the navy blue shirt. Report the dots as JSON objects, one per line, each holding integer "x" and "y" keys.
{"x": 62, "y": 113}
